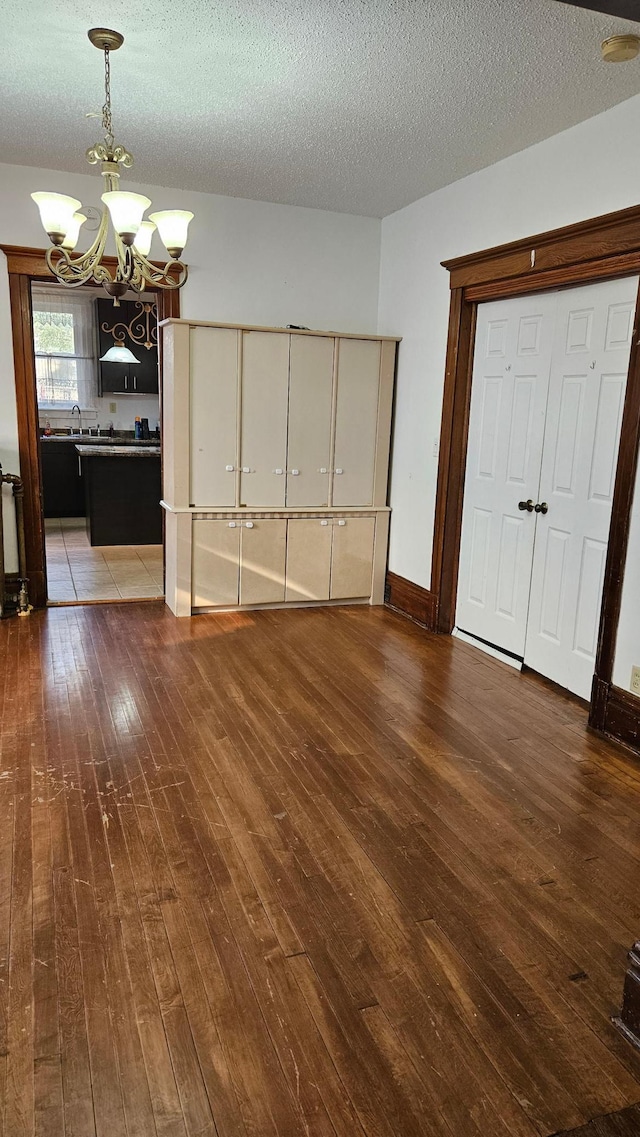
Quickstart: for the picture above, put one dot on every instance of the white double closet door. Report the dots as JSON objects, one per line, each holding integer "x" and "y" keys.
{"x": 549, "y": 377}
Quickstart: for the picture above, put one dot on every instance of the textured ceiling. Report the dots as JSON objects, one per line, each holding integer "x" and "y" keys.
{"x": 355, "y": 105}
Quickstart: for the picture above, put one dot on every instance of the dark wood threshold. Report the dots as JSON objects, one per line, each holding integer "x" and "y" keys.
{"x": 411, "y": 600}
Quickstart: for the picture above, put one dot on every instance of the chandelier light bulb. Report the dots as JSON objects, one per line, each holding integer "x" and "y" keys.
{"x": 172, "y": 227}
{"x": 56, "y": 214}
{"x": 126, "y": 211}
{"x": 142, "y": 243}
{"x": 71, "y": 239}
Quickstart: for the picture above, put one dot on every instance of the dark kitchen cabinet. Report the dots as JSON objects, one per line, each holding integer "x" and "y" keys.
{"x": 114, "y": 326}
{"x": 62, "y": 488}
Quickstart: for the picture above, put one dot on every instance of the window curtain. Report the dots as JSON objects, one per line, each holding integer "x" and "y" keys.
{"x": 65, "y": 347}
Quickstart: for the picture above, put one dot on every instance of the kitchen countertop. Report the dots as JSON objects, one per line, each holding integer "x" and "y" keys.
{"x": 100, "y": 440}
{"x": 91, "y": 451}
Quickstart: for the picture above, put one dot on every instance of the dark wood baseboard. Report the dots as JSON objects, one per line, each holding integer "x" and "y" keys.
{"x": 412, "y": 600}
{"x": 628, "y": 1021}
{"x": 616, "y": 713}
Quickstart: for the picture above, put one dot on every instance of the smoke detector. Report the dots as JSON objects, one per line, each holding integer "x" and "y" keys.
{"x": 620, "y": 49}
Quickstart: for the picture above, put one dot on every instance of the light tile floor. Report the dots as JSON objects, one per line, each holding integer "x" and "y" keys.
{"x": 78, "y": 571}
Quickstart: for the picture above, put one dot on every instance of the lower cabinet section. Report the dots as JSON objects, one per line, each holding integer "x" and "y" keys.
{"x": 275, "y": 560}
{"x": 238, "y": 562}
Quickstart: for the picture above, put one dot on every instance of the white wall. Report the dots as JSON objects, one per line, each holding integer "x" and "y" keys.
{"x": 250, "y": 262}
{"x": 591, "y": 169}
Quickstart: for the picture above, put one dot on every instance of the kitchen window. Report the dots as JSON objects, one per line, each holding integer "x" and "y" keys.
{"x": 64, "y": 343}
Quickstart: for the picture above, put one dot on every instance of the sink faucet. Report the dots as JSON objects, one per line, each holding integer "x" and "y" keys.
{"x": 75, "y": 407}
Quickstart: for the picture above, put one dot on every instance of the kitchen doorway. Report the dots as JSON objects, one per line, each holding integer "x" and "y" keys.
{"x": 27, "y": 266}
{"x": 99, "y": 434}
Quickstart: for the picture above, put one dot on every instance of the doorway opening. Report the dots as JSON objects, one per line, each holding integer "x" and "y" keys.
{"x": 100, "y": 438}
{"x": 26, "y": 266}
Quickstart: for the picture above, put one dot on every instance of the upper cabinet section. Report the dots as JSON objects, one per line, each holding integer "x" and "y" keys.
{"x": 268, "y": 419}
{"x": 134, "y": 324}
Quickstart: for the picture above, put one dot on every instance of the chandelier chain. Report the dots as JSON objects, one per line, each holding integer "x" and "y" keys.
{"x": 106, "y": 110}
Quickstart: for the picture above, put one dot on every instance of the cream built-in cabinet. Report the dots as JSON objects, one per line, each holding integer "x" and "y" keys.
{"x": 276, "y": 456}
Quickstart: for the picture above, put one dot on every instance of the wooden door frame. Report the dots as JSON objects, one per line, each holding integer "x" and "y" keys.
{"x": 24, "y": 266}
{"x": 602, "y": 248}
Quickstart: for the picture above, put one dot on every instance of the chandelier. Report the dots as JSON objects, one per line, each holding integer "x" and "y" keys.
{"x": 62, "y": 220}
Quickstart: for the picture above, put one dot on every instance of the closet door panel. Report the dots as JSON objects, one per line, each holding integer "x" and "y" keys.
{"x": 356, "y": 421}
{"x": 512, "y": 362}
{"x": 214, "y": 403}
{"x": 265, "y": 386}
{"x": 594, "y": 329}
{"x": 309, "y": 443}
{"x": 352, "y": 557}
{"x": 262, "y": 561}
{"x": 308, "y": 558}
{"x": 216, "y": 559}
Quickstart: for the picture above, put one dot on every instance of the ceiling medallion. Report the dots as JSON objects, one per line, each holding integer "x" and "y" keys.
{"x": 62, "y": 220}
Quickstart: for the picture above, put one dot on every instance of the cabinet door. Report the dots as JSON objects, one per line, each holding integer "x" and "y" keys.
{"x": 216, "y": 559}
{"x": 145, "y": 373}
{"x": 308, "y": 558}
{"x": 262, "y": 561}
{"x": 309, "y": 442}
{"x": 352, "y": 557}
{"x": 115, "y": 378}
{"x": 214, "y": 416}
{"x": 265, "y": 382}
{"x": 356, "y": 421}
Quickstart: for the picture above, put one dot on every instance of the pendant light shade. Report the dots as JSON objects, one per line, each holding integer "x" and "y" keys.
{"x": 118, "y": 354}
{"x": 71, "y": 239}
{"x": 142, "y": 243}
{"x": 56, "y": 214}
{"x": 126, "y": 211}
{"x": 172, "y": 227}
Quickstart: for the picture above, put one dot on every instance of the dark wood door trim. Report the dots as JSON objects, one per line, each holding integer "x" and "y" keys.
{"x": 601, "y": 248}
{"x": 26, "y": 265}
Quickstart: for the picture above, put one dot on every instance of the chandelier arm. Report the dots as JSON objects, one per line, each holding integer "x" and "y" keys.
{"x": 74, "y": 271}
{"x": 162, "y": 277}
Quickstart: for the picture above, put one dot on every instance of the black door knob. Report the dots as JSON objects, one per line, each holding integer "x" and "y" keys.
{"x": 528, "y": 505}
{"x": 541, "y": 507}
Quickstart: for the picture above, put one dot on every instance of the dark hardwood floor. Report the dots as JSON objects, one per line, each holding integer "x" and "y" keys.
{"x": 304, "y": 874}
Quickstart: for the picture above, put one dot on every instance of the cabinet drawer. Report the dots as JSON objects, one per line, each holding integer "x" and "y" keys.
{"x": 352, "y": 557}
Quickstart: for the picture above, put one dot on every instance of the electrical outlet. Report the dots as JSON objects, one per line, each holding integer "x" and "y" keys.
{"x": 635, "y": 680}
{"x": 113, "y": 408}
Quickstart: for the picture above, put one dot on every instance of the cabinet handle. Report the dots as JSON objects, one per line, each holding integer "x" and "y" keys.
{"x": 323, "y": 470}
{"x": 294, "y": 472}
{"x": 126, "y": 382}
{"x": 232, "y": 524}
{"x": 230, "y": 469}
{"x": 246, "y": 470}
{"x": 324, "y": 522}
{"x": 249, "y": 524}
{"x": 339, "y": 470}
{"x": 278, "y": 471}
{"x": 342, "y": 523}
{"x": 135, "y": 382}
